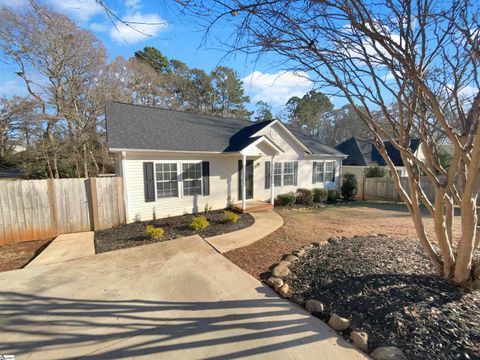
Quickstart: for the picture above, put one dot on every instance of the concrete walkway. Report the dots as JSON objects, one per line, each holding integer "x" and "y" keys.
{"x": 266, "y": 222}
{"x": 174, "y": 300}
{"x": 66, "y": 247}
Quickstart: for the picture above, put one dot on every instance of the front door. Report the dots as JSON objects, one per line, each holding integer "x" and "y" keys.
{"x": 248, "y": 180}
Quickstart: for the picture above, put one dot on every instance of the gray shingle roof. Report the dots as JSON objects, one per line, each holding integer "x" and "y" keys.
{"x": 139, "y": 127}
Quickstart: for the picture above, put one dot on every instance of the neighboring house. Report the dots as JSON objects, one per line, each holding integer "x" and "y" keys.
{"x": 362, "y": 153}
{"x": 175, "y": 162}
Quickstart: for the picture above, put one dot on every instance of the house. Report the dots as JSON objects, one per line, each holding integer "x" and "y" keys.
{"x": 175, "y": 162}
{"x": 362, "y": 153}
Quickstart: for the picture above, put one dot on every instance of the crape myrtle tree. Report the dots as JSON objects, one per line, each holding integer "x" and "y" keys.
{"x": 408, "y": 69}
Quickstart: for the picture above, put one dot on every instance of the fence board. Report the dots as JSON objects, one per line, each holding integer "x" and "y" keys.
{"x": 42, "y": 209}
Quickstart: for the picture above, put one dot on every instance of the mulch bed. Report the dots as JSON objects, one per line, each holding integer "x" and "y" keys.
{"x": 17, "y": 255}
{"x": 131, "y": 235}
{"x": 387, "y": 288}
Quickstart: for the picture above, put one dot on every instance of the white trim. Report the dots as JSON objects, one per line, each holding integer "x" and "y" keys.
{"x": 269, "y": 142}
{"x": 173, "y": 151}
{"x": 325, "y": 157}
{"x": 178, "y": 179}
{"x": 284, "y": 128}
{"x": 124, "y": 183}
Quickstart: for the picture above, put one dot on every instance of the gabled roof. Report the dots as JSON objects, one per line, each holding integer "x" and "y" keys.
{"x": 136, "y": 127}
{"x": 363, "y": 152}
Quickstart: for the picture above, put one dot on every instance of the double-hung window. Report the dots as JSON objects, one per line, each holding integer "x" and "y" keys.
{"x": 192, "y": 178}
{"x": 330, "y": 171}
{"x": 277, "y": 174}
{"x": 167, "y": 181}
{"x": 319, "y": 171}
{"x": 288, "y": 173}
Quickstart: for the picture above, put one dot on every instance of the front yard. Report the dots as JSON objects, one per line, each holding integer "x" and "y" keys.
{"x": 17, "y": 255}
{"x": 368, "y": 268}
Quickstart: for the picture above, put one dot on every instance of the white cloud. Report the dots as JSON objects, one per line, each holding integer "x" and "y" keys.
{"x": 13, "y": 3}
{"x": 82, "y": 10}
{"x": 132, "y": 4}
{"x": 138, "y": 28}
{"x": 99, "y": 27}
{"x": 277, "y": 88}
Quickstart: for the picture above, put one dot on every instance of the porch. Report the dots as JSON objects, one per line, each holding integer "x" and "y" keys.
{"x": 252, "y": 206}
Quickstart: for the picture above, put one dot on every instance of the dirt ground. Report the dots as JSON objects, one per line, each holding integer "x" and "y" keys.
{"x": 16, "y": 256}
{"x": 305, "y": 226}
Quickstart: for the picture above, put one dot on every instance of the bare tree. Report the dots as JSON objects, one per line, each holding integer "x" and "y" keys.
{"x": 415, "y": 63}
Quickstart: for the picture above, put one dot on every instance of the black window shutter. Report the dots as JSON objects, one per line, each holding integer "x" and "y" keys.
{"x": 295, "y": 172}
{"x": 206, "y": 177}
{"x": 314, "y": 170}
{"x": 149, "y": 181}
{"x": 267, "y": 174}
{"x": 334, "y": 169}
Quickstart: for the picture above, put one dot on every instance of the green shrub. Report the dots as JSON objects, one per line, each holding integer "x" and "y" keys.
{"x": 320, "y": 195}
{"x": 349, "y": 186}
{"x": 199, "y": 222}
{"x": 373, "y": 171}
{"x": 304, "y": 196}
{"x": 285, "y": 199}
{"x": 231, "y": 217}
{"x": 333, "y": 195}
{"x": 154, "y": 233}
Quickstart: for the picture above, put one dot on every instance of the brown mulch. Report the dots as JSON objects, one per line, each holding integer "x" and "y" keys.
{"x": 131, "y": 235}
{"x": 388, "y": 289}
{"x": 17, "y": 255}
{"x": 303, "y": 227}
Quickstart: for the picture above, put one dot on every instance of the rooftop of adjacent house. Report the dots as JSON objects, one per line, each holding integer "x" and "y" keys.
{"x": 137, "y": 127}
{"x": 362, "y": 152}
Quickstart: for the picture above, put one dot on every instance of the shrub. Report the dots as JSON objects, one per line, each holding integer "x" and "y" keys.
{"x": 231, "y": 217}
{"x": 349, "y": 186}
{"x": 154, "y": 233}
{"x": 333, "y": 195}
{"x": 320, "y": 195}
{"x": 304, "y": 196}
{"x": 199, "y": 222}
{"x": 373, "y": 171}
{"x": 285, "y": 199}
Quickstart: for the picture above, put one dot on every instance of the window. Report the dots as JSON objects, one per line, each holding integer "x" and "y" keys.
{"x": 277, "y": 174}
{"x": 288, "y": 173}
{"x": 319, "y": 173}
{"x": 330, "y": 171}
{"x": 192, "y": 178}
{"x": 167, "y": 182}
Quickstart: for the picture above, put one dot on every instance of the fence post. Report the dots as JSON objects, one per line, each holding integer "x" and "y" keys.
{"x": 52, "y": 204}
{"x": 94, "y": 203}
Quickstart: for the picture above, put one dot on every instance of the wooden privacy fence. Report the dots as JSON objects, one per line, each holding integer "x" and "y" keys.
{"x": 42, "y": 209}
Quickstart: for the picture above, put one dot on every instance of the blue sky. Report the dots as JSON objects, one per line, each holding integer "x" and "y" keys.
{"x": 176, "y": 36}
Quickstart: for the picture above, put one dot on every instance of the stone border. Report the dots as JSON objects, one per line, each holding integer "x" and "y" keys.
{"x": 340, "y": 324}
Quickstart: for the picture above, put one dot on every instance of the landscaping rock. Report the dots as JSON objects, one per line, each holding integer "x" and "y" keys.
{"x": 271, "y": 281}
{"x": 284, "y": 291}
{"x": 315, "y": 243}
{"x": 297, "y": 299}
{"x": 277, "y": 284}
{"x": 338, "y": 323}
{"x": 314, "y": 306}
{"x": 360, "y": 340}
{"x": 282, "y": 269}
{"x": 292, "y": 258}
{"x": 299, "y": 253}
{"x": 387, "y": 353}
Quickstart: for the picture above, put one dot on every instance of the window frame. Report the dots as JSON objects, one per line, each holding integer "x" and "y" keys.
{"x": 280, "y": 175}
{"x": 199, "y": 162}
{"x": 155, "y": 163}
{"x": 320, "y": 169}
{"x": 285, "y": 174}
{"x": 331, "y": 172}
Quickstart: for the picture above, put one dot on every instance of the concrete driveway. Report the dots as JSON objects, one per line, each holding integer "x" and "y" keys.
{"x": 174, "y": 300}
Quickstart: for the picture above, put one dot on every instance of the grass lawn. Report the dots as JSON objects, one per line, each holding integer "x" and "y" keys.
{"x": 305, "y": 226}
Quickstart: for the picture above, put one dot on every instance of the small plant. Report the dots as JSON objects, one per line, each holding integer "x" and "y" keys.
{"x": 154, "y": 233}
{"x": 231, "y": 217}
{"x": 333, "y": 195}
{"x": 349, "y": 186}
{"x": 304, "y": 196}
{"x": 207, "y": 210}
{"x": 320, "y": 195}
{"x": 199, "y": 222}
{"x": 374, "y": 171}
{"x": 285, "y": 199}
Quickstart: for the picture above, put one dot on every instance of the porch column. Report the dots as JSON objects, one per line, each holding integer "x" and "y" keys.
{"x": 272, "y": 178}
{"x": 244, "y": 173}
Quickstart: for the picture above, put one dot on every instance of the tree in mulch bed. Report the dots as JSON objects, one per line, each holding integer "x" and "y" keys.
{"x": 388, "y": 289}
